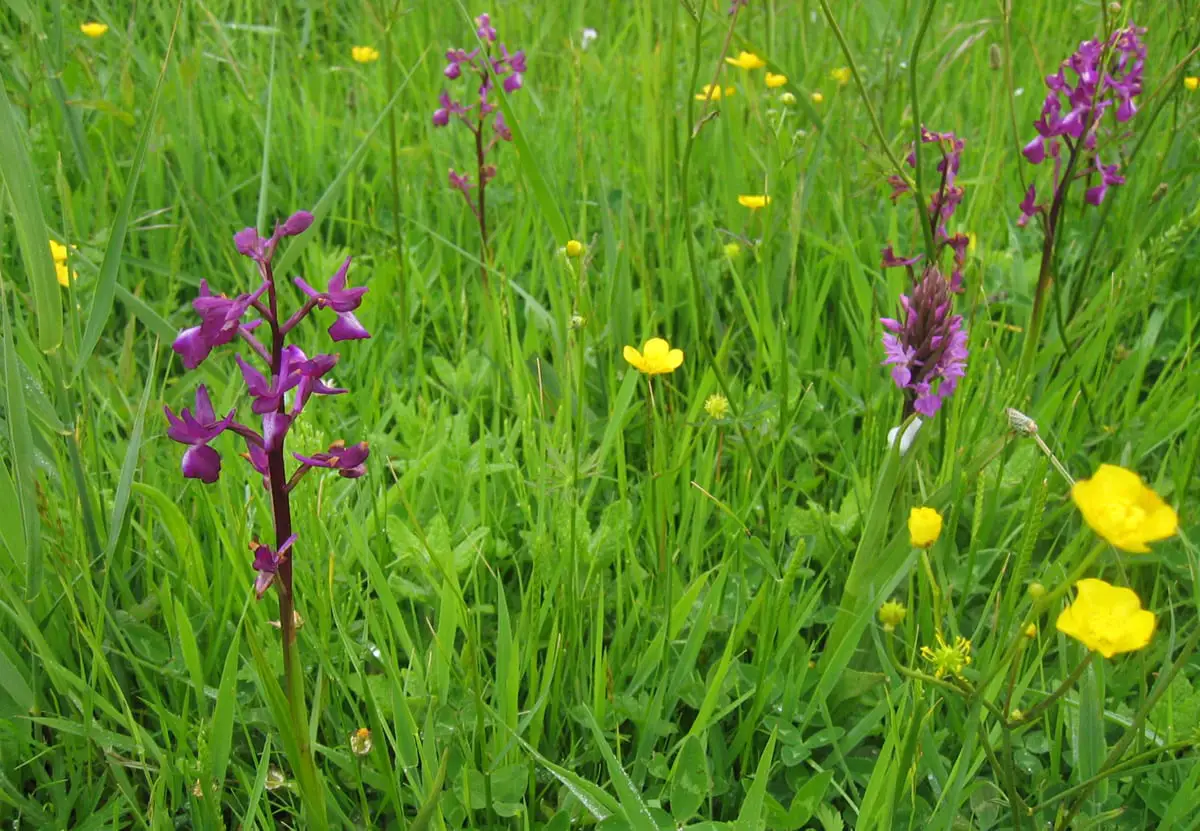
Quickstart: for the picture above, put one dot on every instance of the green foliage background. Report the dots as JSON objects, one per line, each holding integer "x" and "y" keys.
{"x": 489, "y": 600}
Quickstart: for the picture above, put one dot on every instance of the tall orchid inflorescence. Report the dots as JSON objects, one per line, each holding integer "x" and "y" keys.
{"x": 1102, "y": 75}
{"x": 927, "y": 346}
{"x": 279, "y": 395}
{"x": 490, "y": 65}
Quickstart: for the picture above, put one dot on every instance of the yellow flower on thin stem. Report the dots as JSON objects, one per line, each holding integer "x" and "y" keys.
{"x": 842, "y": 75}
{"x": 1120, "y": 508}
{"x": 364, "y": 54}
{"x": 716, "y": 93}
{"x": 746, "y": 60}
{"x": 732, "y": 250}
{"x": 754, "y": 202}
{"x": 93, "y": 29}
{"x": 924, "y": 527}
{"x": 573, "y": 248}
{"x": 774, "y": 80}
{"x": 656, "y": 357}
{"x": 1106, "y": 619}
{"x": 948, "y": 659}
{"x": 817, "y": 98}
{"x": 1191, "y": 83}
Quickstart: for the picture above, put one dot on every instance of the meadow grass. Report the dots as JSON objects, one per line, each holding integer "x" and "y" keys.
{"x": 554, "y": 600}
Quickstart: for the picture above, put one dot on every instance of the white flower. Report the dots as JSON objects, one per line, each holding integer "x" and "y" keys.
{"x": 589, "y": 34}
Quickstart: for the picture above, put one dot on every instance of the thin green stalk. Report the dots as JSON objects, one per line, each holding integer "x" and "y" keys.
{"x": 1058, "y": 693}
{"x": 926, "y": 222}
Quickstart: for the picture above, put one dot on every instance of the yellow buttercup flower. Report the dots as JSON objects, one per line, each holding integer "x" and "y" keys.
{"x": 948, "y": 659}
{"x": 93, "y": 29}
{"x": 1031, "y": 631}
{"x": 573, "y": 248}
{"x": 703, "y": 95}
{"x": 656, "y": 358}
{"x": 1119, "y": 507}
{"x": 1191, "y": 83}
{"x": 746, "y": 60}
{"x": 817, "y": 98}
{"x": 891, "y": 615}
{"x": 58, "y": 251}
{"x": 364, "y": 54}
{"x": 1106, "y": 619}
{"x": 732, "y": 250}
{"x": 754, "y": 202}
{"x": 842, "y": 75}
{"x": 717, "y": 406}
{"x": 924, "y": 527}
{"x": 774, "y": 80}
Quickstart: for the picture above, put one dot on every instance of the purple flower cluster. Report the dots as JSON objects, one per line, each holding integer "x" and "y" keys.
{"x": 927, "y": 350}
{"x": 280, "y": 393}
{"x": 491, "y": 65}
{"x": 943, "y": 202}
{"x": 1102, "y": 75}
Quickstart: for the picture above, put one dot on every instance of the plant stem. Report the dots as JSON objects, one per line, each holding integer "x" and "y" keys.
{"x": 1058, "y": 693}
{"x": 926, "y": 222}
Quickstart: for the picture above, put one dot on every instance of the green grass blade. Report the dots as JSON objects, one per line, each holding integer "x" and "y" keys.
{"x": 635, "y": 810}
{"x": 17, "y": 174}
{"x": 129, "y": 467}
{"x": 21, "y": 443}
{"x": 106, "y": 284}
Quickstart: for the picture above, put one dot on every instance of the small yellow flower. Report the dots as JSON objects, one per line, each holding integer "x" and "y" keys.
{"x": 703, "y": 95}
{"x": 656, "y": 358}
{"x": 59, "y": 252}
{"x": 817, "y": 98}
{"x": 774, "y": 80}
{"x": 1119, "y": 507}
{"x": 1191, "y": 83}
{"x": 364, "y": 54}
{"x": 1031, "y": 631}
{"x": 754, "y": 202}
{"x": 717, "y": 406}
{"x": 787, "y": 99}
{"x": 360, "y": 742}
{"x": 732, "y": 250}
{"x": 924, "y": 527}
{"x": 842, "y": 75}
{"x": 891, "y": 615}
{"x": 93, "y": 29}
{"x": 573, "y": 248}
{"x": 746, "y": 60}
{"x": 1106, "y": 618}
{"x": 947, "y": 659}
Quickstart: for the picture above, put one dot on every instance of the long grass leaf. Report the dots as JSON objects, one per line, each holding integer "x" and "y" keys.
{"x": 129, "y": 466}
{"x": 21, "y": 443}
{"x": 16, "y": 172}
{"x": 106, "y": 284}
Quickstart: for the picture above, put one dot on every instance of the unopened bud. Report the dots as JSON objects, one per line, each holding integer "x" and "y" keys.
{"x": 1114, "y": 7}
{"x": 1031, "y": 631}
{"x": 995, "y": 56}
{"x": 1036, "y": 590}
{"x": 1159, "y": 192}
{"x": 1020, "y": 422}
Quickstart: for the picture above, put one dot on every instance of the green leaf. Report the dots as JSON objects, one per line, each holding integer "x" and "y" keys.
{"x": 222, "y": 721}
{"x": 635, "y": 810}
{"x": 12, "y": 534}
{"x": 17, "y": 174}
{"x": 106, "y": 284}
{"x": 690, "y": 783}
{"x": 151, "y": 319}
{"x": 21, "y": 442}
{"x": 129, "y": 466}
{"x": 750, "y": 818}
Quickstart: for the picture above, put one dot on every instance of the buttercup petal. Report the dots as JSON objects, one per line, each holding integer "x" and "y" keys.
{"x": 634, "y": 358}
{"x": 655, "y": 350}
{"x": 674, "y": 359}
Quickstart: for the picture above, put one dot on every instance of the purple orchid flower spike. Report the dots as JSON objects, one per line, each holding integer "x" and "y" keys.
{"x": 197, "y": 429}
{"x": 337, "y": 296}
{"x": 287, "y": 370}
{"x": 267, "y": 562}
{"x": 349, "y": 462}
{"x": 927, "y": 349}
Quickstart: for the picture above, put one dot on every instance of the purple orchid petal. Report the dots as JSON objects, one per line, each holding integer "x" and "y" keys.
{"x": 203, "y": 463}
